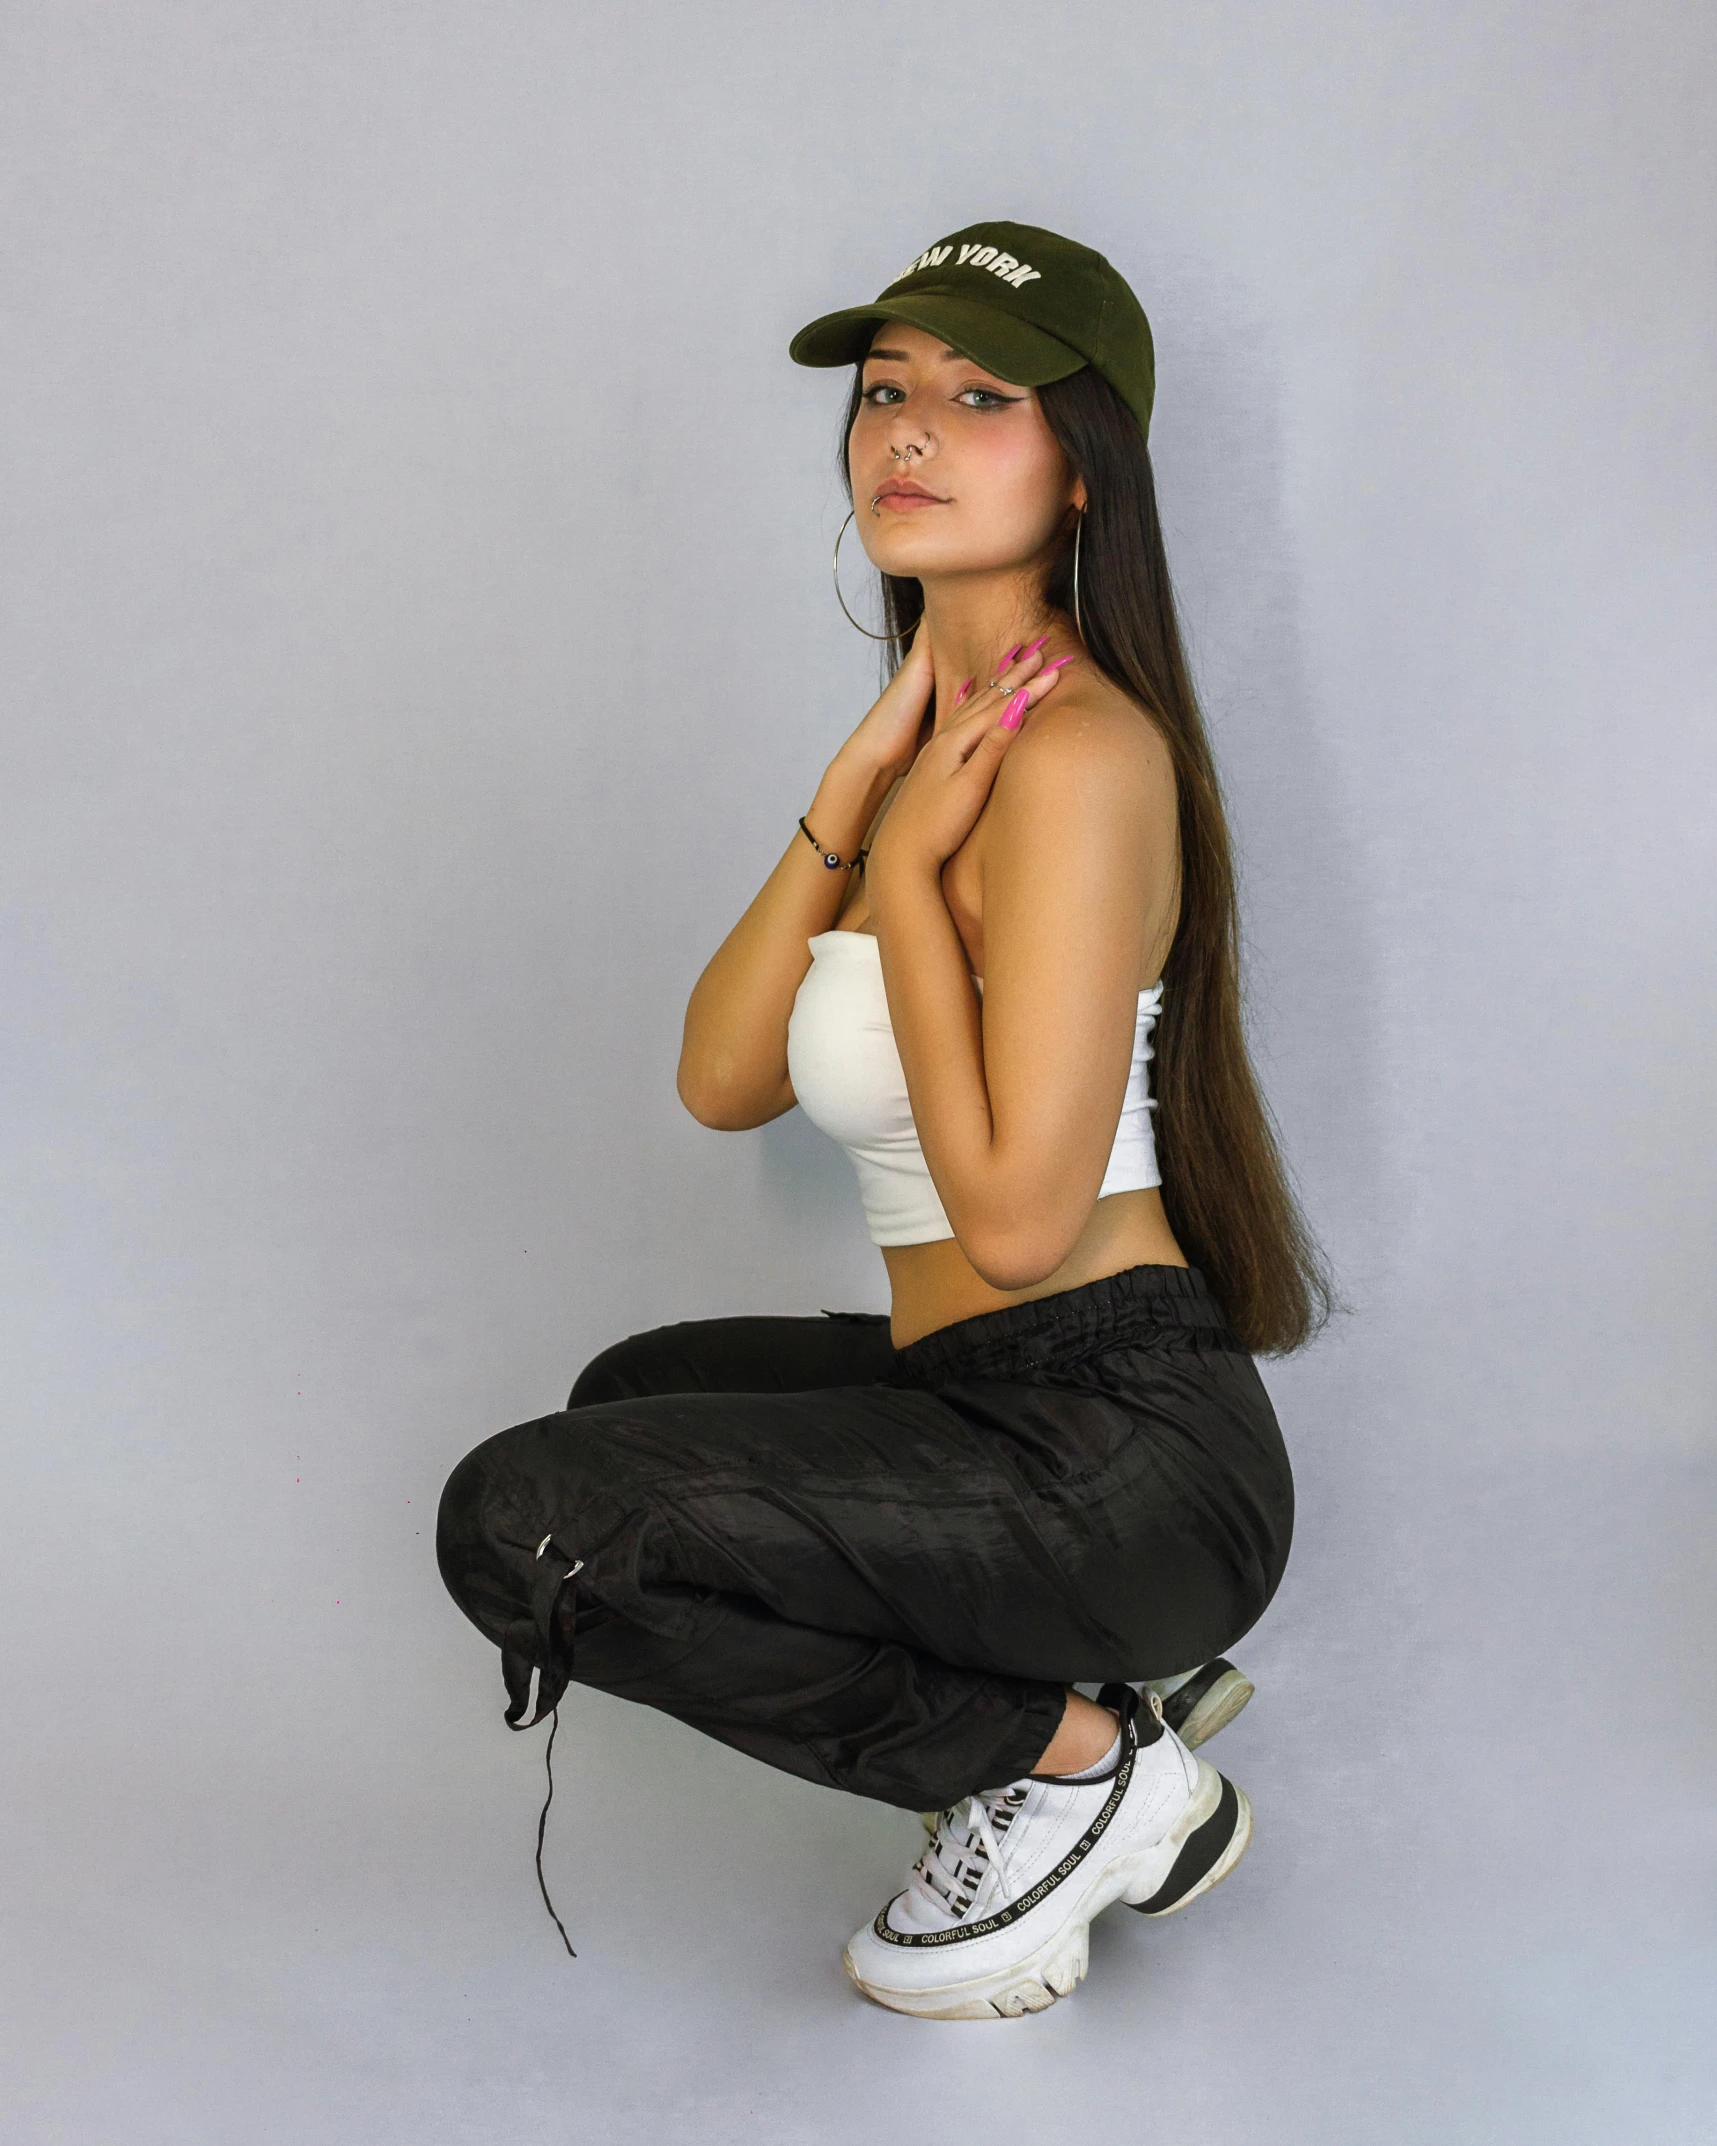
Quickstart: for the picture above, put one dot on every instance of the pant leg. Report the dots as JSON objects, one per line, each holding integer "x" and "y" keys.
{"x": 747, "y": 1355}
{"x": 830, "y": 1581}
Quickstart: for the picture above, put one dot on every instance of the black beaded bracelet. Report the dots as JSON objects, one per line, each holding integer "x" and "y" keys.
{"x": 834, "y": 863}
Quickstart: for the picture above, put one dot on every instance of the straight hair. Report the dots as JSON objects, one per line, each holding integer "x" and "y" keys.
{"x": 1226, "y": 1189}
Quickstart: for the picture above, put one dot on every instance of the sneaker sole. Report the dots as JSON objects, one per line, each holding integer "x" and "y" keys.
{"x": 1213, "y": 1833}
{"x": 1028, "y": 1986}
{"x": 1214, "y": 1710}
{"x": 1197, "y": 1852}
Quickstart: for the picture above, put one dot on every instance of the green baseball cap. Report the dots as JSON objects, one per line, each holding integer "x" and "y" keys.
{"x": 1026, "y": 305}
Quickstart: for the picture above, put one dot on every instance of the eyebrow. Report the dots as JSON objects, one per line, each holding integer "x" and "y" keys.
{"x": 902, "y": 357}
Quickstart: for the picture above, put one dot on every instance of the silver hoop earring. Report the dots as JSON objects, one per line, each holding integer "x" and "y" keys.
{"x": 1078, "y": 532}
{"x": 841, "y": 600}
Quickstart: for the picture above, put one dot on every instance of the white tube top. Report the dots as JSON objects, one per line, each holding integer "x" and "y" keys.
{"x": 847, "y": 1076}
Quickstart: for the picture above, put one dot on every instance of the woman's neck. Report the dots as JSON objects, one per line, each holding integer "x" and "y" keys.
{"x": 973, "y": 621}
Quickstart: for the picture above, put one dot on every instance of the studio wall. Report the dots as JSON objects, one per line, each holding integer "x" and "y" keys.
{"x": 418, "y": 646}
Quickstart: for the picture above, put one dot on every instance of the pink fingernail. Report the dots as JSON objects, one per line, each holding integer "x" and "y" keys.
{"x": 1014, "y": 713}
{"x": 965, "y": 689}
{"x": 1035, "y": 646}
{"x": 1060, "y": 663}
{"x": 1012, "y": 656}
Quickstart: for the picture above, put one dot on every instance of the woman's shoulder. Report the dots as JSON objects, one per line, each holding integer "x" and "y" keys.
{"x": 1087, "y": 733}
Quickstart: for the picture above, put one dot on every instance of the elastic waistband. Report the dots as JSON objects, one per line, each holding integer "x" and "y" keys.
{"x": 1133, "y": 1308}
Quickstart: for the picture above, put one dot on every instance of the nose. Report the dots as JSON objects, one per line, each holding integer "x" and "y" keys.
{"x": 908, "y": 444}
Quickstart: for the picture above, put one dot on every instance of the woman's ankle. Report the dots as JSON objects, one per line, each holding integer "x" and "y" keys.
{"x": 1084, "y": 1739}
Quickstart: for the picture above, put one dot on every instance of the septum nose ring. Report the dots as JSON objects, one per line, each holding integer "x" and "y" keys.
{"x": 900, "y": 454}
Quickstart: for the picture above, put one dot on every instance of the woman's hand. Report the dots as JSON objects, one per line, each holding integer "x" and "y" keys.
{"x": 877, "y": 754}
{"x": 950, "y": 780}
{"x": 883, "y": 745}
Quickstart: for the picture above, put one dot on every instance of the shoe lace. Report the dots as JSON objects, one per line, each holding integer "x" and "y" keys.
{"x": 964, "y": 1866}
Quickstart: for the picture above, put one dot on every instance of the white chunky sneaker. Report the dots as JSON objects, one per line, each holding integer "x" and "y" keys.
{"x": 995, "y": 1917}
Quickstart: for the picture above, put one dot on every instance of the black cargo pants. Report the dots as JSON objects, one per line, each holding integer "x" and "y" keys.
{"x": 880, "y": 1569}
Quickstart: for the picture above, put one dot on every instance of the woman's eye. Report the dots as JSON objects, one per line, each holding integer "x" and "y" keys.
{"x": 983, "y": 398}
{"x": 885, "y": 392}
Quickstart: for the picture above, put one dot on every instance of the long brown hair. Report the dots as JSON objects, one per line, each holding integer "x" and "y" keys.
{"x": 1225, "y": 1187}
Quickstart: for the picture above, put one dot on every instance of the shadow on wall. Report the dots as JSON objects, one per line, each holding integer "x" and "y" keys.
{"x": 1315, "y": 982}
{"x": 1311, "y": 962}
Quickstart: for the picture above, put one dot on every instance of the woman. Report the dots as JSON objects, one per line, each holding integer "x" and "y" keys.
{"x": 880, "y": 1556}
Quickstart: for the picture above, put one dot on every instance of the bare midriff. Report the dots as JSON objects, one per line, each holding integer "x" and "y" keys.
{"x": 932, "y": 1285}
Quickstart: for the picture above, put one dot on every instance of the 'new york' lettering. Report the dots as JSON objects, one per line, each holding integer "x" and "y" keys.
{"x": 974, "y": 254}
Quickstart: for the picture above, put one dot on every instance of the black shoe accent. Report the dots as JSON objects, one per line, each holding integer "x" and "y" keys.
{"x": 1196, "y": 1859}
{"x": 1143, "y": 1710}
{"x": 1178, "y": 1706}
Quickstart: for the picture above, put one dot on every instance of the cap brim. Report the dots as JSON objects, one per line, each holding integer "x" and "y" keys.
{"x": 1011, "y": 349}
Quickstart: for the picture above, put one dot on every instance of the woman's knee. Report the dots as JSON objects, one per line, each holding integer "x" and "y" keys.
{"x": 470, "y": 1570}
{"x": 629, "y": 1370}
{"x": 552, "y": 1474}
{"x": 490, "y": 1517}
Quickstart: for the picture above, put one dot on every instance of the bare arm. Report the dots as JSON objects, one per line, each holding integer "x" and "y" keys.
{"x": 1016, "y": 1101}
{"x": 733, "y": 1060}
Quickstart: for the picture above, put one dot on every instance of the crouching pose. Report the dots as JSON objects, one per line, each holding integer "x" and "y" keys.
{"x": 882, "y": 1553}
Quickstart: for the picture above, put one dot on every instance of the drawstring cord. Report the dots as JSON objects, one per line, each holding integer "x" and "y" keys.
{"x": 542, "y": 1827}
{"x": 518, "y": 1684}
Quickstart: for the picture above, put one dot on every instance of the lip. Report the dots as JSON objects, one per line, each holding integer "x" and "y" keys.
{"x": 905, "y": 497}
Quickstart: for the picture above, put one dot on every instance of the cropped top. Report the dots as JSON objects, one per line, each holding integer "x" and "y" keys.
{"x": 846, "y": 1073}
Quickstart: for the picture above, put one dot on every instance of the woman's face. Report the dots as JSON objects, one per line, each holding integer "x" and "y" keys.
{"x": 990, "y": 489}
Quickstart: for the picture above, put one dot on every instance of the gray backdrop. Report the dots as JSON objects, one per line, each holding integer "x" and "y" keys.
{"x": 418, "y": 643}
